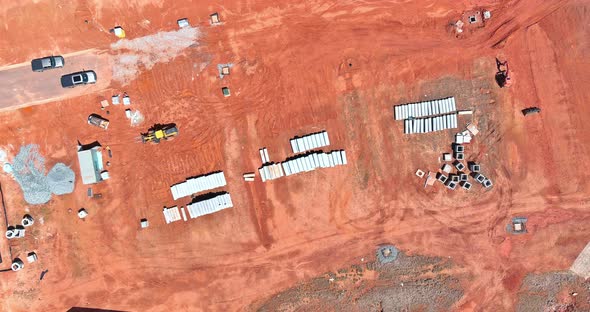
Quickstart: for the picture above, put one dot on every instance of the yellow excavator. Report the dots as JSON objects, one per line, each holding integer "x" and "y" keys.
{"x": 159, "y": 132}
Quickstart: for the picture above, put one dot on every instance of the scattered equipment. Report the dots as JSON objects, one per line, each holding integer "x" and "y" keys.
{"x": 17, "y": 265}
{"x": 159, "y": 132}
{"x": 249, "y": 177}
{"x": 98, "y": 121}
{"x": 82, "y": 213}
{"x": 466, "y": 185}
{"x": 503, "y": 74}
{"x": 531, "y": 111}
{"x": 27, "y": 221}
{"x": 31, "y": 257}
{"x": 473, "y": 167}
{"x": 115, "y": 99}
{"x": 420, "y": 173}
{"x": 15, "y": 232}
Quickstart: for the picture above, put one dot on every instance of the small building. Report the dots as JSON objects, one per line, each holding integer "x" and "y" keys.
{"x": 17, "y": 265}
{"x": 90, "y": 161}
{"x": 144, "y": 223}
{"x": 447, "y": 157}
{"x": 119, "y": 32}
{"x": 82, "y": 213}
{"x": 183, "y": 22}
{"x": 214, "y": 19}
{"x": 225, "y": 91}
{"x": 517, "y": 226}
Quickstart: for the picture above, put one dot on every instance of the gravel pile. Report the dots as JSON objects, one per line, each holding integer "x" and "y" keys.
{"x": 28, "y": 168}
{"x": 61, "y": 179}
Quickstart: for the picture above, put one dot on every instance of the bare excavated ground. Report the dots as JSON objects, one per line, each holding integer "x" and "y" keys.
{"x": 301, "y": 67}
{"x": 554, "y": 291}
{"x": 410, "y": 283}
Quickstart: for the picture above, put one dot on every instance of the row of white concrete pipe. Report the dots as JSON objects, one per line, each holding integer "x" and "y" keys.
{"x": 301, "y": 163}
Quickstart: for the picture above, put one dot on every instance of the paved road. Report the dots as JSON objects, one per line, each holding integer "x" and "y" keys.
{"x": 20, "y": 86}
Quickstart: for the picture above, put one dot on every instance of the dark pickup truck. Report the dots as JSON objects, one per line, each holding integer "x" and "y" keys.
{"x": 49, "y": 62}
{"x": 83, "y": 77}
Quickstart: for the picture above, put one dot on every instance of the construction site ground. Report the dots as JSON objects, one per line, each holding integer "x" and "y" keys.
{"x": 298, "y": 68}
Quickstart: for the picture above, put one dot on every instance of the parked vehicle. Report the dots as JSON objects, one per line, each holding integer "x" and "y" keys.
{"x": 79, "y": 78}
{"x": 98, "y": 121}
{"x": 531, "y": 110}
{"x": 48, "y": 62}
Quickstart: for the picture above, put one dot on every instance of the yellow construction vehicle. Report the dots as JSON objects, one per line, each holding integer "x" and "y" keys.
{"x": 159, "y": 132}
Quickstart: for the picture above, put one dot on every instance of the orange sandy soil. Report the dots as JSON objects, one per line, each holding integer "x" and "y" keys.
{"x": 292, "y": 77}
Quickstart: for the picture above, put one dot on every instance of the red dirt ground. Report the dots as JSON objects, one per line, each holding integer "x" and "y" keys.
{"x": 291, "y": 77}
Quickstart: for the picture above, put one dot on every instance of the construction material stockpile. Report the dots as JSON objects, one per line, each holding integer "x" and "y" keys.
{"x": 310, "y": 142}
{"x": 171, "y": 214}
{"x": 209, "y": 206}
{"x": 28, "y": 169}
{"x": 302, "y": 163}
{"x": 61, "y": 179}
{"x": 443, "y": 112}
{"x": 197, "y": 185}
{"x": 271, "y": 172}
{"x": 430, "y": 124}
{"x": 314, "y": 161}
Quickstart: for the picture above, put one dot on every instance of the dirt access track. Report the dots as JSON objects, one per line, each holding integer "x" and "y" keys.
{"x": 301, "y": 67}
